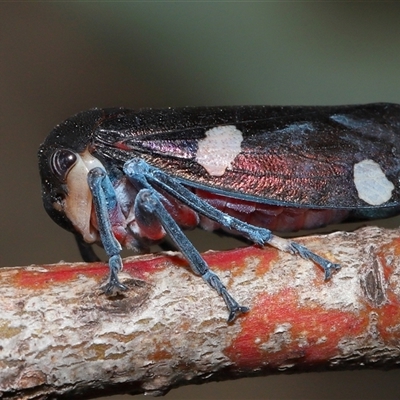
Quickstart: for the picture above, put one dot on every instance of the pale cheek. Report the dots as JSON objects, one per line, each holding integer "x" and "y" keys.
{"x": 371, "y": 183}
{"x": 78, "y": 203}
{"x": 219, "y": 148}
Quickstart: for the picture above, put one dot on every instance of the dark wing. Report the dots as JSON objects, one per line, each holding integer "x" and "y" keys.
{"x": 302, "y": 156}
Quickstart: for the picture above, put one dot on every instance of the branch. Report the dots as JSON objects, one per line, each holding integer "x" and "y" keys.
{"x": 60, "y": 337}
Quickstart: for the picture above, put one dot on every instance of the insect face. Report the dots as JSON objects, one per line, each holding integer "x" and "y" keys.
{"x": 72, "y": 170}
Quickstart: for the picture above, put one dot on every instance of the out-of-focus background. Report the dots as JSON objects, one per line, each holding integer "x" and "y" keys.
{"x": 60, "y": 58}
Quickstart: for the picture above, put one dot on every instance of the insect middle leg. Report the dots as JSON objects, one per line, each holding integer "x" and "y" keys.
{"x": 148, "y": 201}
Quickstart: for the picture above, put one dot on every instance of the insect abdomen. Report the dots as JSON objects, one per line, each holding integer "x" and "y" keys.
{"x": 273, "y": 217}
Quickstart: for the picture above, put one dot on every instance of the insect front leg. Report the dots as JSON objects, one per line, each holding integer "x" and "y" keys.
{"x": 148, "y": 202}
{"x": 257, "y": 235}
{"x": 105, "y": 201}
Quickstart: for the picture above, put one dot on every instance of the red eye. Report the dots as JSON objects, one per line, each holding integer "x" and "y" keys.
{"x": 61, "y": 163}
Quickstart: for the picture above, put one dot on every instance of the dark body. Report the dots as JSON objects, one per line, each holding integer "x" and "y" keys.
{"x": 294, "y": 167}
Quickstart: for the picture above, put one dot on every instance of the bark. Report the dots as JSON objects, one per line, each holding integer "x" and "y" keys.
{"x": 60, "y": 337}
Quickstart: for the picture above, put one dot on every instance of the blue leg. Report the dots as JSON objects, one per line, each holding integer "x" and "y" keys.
{"x": 104, "y": 200}
{"x": 148, "y": 201}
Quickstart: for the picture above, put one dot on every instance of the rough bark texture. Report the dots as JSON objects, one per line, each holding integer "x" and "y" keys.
{"x": 60, "y": 337}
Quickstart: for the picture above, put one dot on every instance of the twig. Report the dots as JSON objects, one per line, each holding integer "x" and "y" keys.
{"x": 61, "y": 338}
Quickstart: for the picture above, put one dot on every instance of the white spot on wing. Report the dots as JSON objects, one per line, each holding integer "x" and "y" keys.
{"x": 371, "y": 183}
{"x": 219, "y": 148}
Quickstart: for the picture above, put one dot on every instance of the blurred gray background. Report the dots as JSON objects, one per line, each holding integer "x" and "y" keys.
{"x": 60, "y": 58}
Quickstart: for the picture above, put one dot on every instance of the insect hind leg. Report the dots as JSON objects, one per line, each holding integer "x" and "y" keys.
{"x": 296, "y": 248}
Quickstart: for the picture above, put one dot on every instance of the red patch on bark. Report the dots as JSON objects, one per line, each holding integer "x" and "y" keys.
{"x": 237, "y": 260}
{"x": 388, "y": 320}
{"x": 141, "y": 269}
{"x": 395, "y": 244}
{"x": 278, "y": 330}
{"x": 48, "y": 275}
{"x": 388, "y": 313}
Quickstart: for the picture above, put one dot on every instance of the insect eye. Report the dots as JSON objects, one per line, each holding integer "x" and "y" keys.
{"x": 61, "y": 163}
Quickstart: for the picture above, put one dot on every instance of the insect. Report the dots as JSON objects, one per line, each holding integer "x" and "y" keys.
{"x": 120, "y": 177}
